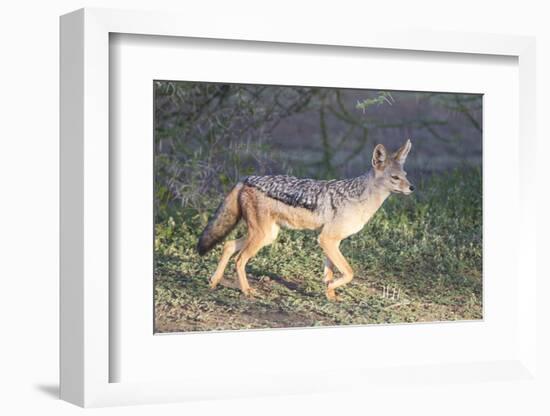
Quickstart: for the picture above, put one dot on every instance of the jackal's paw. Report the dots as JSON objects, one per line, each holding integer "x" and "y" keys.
{"x": 213, "y": 283}
{"x": 332, "y": 296}
{"x": 250, "y": 293}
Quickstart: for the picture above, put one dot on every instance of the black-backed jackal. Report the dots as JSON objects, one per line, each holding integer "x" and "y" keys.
{"x": 337, "y": 208}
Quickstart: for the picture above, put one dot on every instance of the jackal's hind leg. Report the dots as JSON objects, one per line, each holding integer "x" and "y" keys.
{"x": 256, "y": 240}
{"x": 229, "y": 248}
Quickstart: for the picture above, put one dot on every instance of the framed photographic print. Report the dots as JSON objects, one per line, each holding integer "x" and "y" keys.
{"x": 270, "y": 213}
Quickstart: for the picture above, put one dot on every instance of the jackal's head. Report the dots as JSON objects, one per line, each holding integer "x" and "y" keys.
{"x": 388, "y": 169}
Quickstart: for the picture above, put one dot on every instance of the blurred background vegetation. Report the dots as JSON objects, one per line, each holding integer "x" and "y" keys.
{"x": 420, "y": 257}
{"x": 208, "y": 136}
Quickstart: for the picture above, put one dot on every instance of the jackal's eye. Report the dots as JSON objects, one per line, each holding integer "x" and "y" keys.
{"x": 395, "y": 177}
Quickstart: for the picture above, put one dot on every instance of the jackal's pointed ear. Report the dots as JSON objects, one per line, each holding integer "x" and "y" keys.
{"x": 401, "y": 155}
{"x": 379, "y": 156}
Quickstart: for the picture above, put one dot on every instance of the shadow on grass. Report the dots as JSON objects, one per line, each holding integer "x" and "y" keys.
{"x": 276, "y": 278}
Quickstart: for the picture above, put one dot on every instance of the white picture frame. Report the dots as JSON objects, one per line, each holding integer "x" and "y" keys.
{"x": 85, "y": 213}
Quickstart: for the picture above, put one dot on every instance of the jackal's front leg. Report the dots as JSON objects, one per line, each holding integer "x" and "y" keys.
{"x": 330, "y": 246}
{"x": 328, "y": 272}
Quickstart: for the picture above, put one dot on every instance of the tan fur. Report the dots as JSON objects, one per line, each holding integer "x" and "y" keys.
{"x": 264, "y": 216}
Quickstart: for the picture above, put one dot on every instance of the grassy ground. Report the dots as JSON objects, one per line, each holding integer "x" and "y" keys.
{"x": 418, "y": 260}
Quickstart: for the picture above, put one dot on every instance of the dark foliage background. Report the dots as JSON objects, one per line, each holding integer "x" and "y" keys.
{"x": 207, "y": 135}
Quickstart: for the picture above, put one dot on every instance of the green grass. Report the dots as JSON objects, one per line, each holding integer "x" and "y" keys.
{"x": 418, "y": 260}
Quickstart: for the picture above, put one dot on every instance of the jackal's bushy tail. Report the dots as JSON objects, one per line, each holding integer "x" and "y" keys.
{"x": 222, "y": 222}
